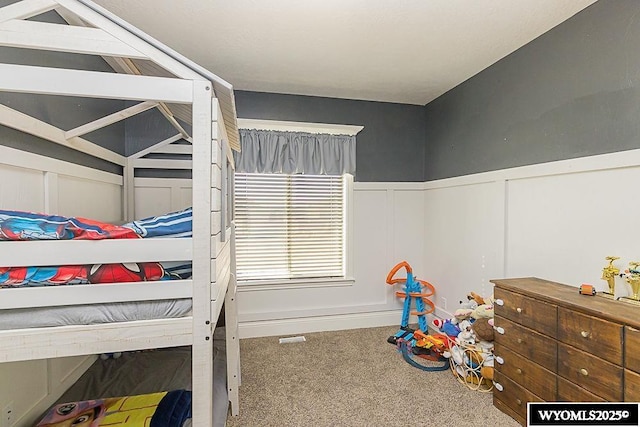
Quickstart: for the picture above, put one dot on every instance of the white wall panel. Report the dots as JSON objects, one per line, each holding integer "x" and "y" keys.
{"x": 184, "y": 198}
{"x": 463, "y": 240}
{"x": 561, "y": 227}
{"x": 61, "y": 368}
{"x": 407, "y": 230}
{"x": 152, "y": 201}
{"x": 158, "y": 196}
{"x": 89, "y": 199}
{"x": 29, "y": 384}
{"x": 21, "y": 189}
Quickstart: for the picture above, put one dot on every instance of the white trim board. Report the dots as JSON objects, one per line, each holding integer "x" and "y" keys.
{"x": 77, "y": 340}
{"x": 619, "y": 159}
{"x": 281, "y": 125}
{"x": 268, "y": 328}
{"x": 27, "y": 124}
{"x": 93, "y": 84}
{"x": 63, "y": 38}
{"x": 26, "y": 9}
{"x": 384, "y": 186}
{"x": 23, "y": 159}
{"x": 80, "y": 252}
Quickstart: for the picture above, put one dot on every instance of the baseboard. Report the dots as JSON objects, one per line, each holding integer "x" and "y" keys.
{"x": 37, "y": 410}
{"x": 338, "y": 322}
{"x": 267, "y": 328}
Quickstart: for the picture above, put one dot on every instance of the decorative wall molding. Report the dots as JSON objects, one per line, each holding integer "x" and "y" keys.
{"x": 280, "y": 125}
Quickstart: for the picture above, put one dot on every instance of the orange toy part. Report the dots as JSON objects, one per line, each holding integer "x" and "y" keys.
{"x": 394, "y": 270}
{"x": 403, "y": 294}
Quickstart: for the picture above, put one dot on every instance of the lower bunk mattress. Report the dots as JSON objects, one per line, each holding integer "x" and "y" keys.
{"x": 93, "y": 313}
{"x": 140, "y": 373}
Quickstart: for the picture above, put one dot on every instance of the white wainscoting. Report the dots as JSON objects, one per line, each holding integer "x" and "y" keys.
{"x": 463, "y": 240}
{"x": 35, "y": 183}
{"x": 555, "y": 221}
{"x": 157, "y": 196}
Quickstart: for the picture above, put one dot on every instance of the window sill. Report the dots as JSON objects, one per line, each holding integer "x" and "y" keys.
{"x": 269, "y": 285}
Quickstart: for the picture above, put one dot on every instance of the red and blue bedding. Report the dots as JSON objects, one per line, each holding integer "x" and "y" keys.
{"x": 16, "y": 225}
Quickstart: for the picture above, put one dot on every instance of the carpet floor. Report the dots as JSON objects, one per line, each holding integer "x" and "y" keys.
{"x": 351, "y": 378}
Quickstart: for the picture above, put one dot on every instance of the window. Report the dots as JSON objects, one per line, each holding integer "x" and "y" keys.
{"x": 290, "y": 226}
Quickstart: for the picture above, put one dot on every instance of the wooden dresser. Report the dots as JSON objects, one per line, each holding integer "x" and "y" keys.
{"x": 553, "y": 344}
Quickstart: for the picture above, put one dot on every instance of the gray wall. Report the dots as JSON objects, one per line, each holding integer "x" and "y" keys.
{"x": 572, "y": 92}
{"x": 389, "y": 148}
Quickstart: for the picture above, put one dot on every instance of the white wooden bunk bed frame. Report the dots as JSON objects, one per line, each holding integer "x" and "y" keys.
{"x": 156, "y": 77}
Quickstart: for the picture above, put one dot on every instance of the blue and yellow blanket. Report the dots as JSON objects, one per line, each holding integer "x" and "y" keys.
{"x": 164, "y": 409}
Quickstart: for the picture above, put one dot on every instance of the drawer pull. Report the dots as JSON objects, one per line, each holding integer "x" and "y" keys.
{"x": 585, "y": 334}
{"x": 519, "y": 310}
{"x": 519, "y": 402}
{"x": 519, "y": 371}
{"x": 499, "y": 330}
{"x": 520, "y": 340}
{"x": 498, "y": 386}
{"x": 499, "y": 302}
{"x": 584, "y": 372}
{"x": 500, "y": 360}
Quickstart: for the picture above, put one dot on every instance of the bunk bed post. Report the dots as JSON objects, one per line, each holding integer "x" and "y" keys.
{"x": 202, "y": 358}
{"x": 231, "y": 329}
{"x": 129, "y": 191}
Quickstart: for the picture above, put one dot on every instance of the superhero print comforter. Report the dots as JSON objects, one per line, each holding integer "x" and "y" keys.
{"x": 17, "y": 225}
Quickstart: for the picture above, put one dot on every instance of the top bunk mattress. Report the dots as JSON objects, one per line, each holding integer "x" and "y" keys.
{"x": 28, "y": 226}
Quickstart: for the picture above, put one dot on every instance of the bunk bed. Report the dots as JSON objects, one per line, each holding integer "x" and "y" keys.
{"x": 200, "y": 107}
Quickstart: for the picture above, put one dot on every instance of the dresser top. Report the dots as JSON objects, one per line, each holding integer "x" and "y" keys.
{"x": 568, "y": 296}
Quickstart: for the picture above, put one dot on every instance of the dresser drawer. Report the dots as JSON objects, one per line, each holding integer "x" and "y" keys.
{"x": 534, "y": 346}
{"x": 513, "y": 395}
{"x": 590, "y": 372}
{"x": 632, "y": 349}
{"x": 526, "y": 311}
{"x": 507, "y": 410}
{"x": 597, "y": 336}
{"x": 569, "y": 392}
{"x": 631, "y": 386}
{"x": 528, "y": 374}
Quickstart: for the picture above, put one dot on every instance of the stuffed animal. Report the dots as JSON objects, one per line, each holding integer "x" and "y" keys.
{"x": 483, "y": 311}
{"x": 462, "y": 314}
{"x": 468, "y": 304}
{"x": 487, "y": 372}
{"x": 483, "y": 329}
{"x": 446, "y": 327}
{"x": 465, "y": 325}
{"x": 465, "y": 338}
{"x": 475, "y": 297}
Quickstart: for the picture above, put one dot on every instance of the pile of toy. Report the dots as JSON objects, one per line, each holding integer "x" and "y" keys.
{"x": 470, "y": 334}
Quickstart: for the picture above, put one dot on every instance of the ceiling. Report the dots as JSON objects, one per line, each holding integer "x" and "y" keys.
{"x": 410, "y": 51}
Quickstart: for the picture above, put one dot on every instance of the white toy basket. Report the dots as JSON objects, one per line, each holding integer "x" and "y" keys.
{"x": 466, "y": 363}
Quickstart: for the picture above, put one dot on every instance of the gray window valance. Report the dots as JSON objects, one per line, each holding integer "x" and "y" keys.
{"x": 266, "y": 151}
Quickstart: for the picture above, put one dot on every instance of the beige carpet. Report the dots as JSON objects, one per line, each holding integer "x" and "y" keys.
{"x": 351, "y": 378}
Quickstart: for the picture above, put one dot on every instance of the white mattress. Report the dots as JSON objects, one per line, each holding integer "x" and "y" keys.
{"x": 93, "y": 314}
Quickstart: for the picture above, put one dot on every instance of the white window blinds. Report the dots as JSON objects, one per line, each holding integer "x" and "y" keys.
{"x": 289, "y": 226}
